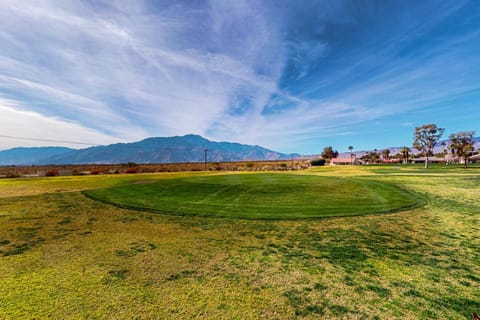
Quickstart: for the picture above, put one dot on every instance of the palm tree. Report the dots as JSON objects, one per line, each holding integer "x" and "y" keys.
{"x": 445, "y": 151}
{"x": 374, "y": 156}
{"x": 351, "y": 154}
{"x": 385, "y": 154}
{"x": 405, "y": 154}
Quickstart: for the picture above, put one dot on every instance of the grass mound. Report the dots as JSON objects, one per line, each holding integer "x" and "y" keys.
{"x": 261, "y": 196}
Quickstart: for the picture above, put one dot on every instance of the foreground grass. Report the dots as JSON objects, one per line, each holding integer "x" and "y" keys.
{"x": 34, "y": 186}
{"x": 66, "y": 256}
{"x": 261, "y": 196}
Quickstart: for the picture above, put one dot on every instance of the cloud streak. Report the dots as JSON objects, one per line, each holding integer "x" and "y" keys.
{"x": 18, "y": 123}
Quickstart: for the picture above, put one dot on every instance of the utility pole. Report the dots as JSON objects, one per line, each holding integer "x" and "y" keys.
{"x": 206, "y": 150}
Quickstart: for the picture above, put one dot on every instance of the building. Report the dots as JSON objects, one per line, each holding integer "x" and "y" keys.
{"x": 392, "y": 160}
{"x": 430, "y": 160}
{"x": 343, "y": 161}
{"x": 475, "y": 158}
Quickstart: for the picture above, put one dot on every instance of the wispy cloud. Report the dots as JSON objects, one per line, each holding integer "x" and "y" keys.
{"x": 27, "y": 124}
{"x": 138, "y": 74}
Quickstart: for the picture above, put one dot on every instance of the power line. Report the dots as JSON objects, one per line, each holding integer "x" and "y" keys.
{"x": 48, "y": 140}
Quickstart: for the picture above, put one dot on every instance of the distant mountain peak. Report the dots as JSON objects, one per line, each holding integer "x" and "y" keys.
{"x": 186, "y": 148}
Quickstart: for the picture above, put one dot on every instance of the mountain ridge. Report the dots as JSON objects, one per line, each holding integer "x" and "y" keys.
{"x": 29, "y": 156}
{"x": 176, "y": 149}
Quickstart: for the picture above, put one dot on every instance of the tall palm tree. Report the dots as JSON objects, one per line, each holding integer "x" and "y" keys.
{"x": 351, "y": 154}
{"x": 405, "y": 154}
{"x": 385, "y": 154}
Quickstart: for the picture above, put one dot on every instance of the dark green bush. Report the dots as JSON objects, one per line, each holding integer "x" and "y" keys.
{"x": 318, "y": 162}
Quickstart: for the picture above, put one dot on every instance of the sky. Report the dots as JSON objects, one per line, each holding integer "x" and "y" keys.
{"x": 292, "y": 76}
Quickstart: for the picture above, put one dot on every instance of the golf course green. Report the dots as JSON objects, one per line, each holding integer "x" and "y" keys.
{"x": 260, "y": 196}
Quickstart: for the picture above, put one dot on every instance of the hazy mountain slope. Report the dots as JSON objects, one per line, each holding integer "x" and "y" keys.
{"x": 27, "y": 156}
{"x": 189, "y": 148}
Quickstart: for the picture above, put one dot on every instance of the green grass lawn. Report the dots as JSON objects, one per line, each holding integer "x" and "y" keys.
{"x": 261, "y": 196}
{"x": 65, "y": 256}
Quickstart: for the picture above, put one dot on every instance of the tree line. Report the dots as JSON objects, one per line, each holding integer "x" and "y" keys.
{"x": 426, "y": 138}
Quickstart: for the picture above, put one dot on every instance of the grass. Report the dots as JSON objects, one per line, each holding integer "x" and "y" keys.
{"x": 65, "y": 256}
{"x": 33, "y": 186}
{"x": 261, "y": 196}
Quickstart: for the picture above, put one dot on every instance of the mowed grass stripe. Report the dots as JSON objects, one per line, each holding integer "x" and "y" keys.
{"x": 261, "y": 196}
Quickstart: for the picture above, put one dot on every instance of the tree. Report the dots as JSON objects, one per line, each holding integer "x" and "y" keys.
{"x": 329, "y": 153}
{"x": 405, "y": 151}
{"x": 318, "y": 162}
{"x": 386, "y": 154}
{"x": 397, "y": 155}
{"x": 444, "y": 151}
{"x": 426, "y": 138}
{"x": 351, "y": 153}
{"x": 462, "y": 145}
{"x": 370, "y": 157}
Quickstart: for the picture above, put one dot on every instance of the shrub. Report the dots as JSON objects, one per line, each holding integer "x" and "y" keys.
{"x": 249, "y": 164}
{"x": 12, "y": 175}
{"x": 51, "y": 173}
{"x": 131, "y": 170}
{"x": 318, "y": 162}
{"x": 283, "y": 165}
{"x": 96, "y": 171}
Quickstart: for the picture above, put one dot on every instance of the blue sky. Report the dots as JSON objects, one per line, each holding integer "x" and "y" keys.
{"x": 293, "y": 76}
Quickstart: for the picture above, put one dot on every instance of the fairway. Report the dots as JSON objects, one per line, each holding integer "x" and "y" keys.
{"x": 261, "y": 196}
{"x": 66, "y": 256}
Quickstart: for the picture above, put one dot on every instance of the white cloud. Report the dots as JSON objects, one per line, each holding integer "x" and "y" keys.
{"x": 144, "y": 74}
{"x": 138, "y": 74}
{"x": 27, "y": 124}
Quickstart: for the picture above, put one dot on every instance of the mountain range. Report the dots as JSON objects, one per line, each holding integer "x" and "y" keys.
{"x": 19, "y": 156}
{"x": 188, "y": 148}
